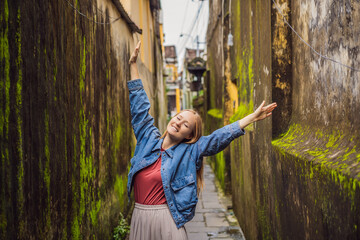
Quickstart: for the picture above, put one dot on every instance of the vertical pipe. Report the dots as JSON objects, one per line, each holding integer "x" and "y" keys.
{"x": 177, "y": 99}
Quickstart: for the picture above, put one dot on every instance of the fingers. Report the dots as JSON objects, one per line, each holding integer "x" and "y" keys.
{"x": 270, "y": 107}
{"x": 135, "y": 53}
{"x": 138, "y": 45}
{"x": 262, "y": 104}
{"x": 137, "y": 48}
{"x": 259, "y": 109}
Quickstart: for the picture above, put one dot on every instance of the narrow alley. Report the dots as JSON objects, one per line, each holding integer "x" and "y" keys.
{"x": 214, "y": 218}
{"x": 72, "y": 123}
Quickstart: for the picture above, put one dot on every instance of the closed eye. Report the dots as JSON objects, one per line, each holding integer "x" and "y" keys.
{"x": 186, "y": 125}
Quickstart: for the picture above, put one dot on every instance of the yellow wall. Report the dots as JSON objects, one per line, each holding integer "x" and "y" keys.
{"x": 173, "y": 68}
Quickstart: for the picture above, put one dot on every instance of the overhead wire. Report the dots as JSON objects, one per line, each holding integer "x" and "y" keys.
{"x": 187, "y": 34}
{"x": 183, "y": 21}
{"x": 306, "y": 43}
{"x": 91, "y": 19}
{"x": 196, "y": 23}
{"x": 101, "y": 11}
{"x": 191, "y": 29}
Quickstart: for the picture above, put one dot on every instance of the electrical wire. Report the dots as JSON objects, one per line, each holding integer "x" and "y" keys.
{"x": 101, "y": 11}
{"x": 318, "y": 53}
{"x": 183, "y": 45}
{"x": 183, "y": 21}
{"x": 91, "y": 19}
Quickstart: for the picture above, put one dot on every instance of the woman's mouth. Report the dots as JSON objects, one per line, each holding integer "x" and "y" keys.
{"x": 174, "y": 128}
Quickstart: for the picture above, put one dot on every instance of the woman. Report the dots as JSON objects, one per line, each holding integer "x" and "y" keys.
{"x": 166, "y": 171}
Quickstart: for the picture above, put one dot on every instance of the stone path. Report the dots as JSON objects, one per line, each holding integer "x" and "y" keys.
{"x": 214, "y": 218}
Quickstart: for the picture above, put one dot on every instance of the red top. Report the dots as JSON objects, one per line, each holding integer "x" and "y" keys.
{"x": 148, "y": 188}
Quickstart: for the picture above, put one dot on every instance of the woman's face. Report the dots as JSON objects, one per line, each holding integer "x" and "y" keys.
{"x": 181, "y": 126}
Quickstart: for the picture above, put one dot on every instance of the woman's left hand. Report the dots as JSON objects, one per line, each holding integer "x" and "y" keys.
{"x": 263, "y": 112}
{"x": 135, "y": 53}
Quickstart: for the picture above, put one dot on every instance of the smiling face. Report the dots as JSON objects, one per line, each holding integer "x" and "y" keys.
{"x": 182, "y": 126}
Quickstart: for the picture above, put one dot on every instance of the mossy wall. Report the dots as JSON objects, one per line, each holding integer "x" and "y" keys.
{"x": 214, "y": 92}
{"x": 66, "y": 138}
{"x": 251, "y": 153}
{"x": 295, "y": 176}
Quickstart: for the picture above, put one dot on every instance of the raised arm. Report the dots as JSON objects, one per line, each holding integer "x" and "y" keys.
{"x": 134, "y": 73}
{"x": 141, "y": 121}
{"x": 221, "y": 138}
{"x": 260, "y": 113}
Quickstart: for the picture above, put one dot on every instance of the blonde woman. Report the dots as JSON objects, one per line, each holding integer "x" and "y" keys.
{"x": 167, "y": 169}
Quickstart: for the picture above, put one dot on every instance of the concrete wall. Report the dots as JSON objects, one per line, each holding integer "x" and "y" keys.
{"x": 295, "y": 176}
{"x": 214, "y": 90}
{"x": 66, "y": 138}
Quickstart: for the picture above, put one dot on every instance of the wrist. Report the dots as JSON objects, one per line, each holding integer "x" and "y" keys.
{"x": 252, "y": 118}
{"x": 244, "y": 122}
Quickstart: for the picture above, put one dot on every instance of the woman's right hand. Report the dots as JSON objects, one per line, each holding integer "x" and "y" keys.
{"x": 135, "y": 53}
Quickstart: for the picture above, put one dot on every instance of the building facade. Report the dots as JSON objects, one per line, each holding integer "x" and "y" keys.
{"x": 66, "y": 138}
{"x": 296, "y": 175}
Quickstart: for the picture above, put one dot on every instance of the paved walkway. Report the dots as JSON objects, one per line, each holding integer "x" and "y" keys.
{"x": 213, "y": 219}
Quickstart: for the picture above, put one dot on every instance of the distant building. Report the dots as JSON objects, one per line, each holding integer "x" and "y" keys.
{"x": 171, "y": 80}
{"x": 187, "y": 78}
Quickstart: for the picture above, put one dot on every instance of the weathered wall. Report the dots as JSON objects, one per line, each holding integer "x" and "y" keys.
{"x": 251, "y": 155}
{"x": 66, "y": 137}
{"x": 320, "y": 149}
{"x": 214, "y": 90}
{"x": 295, "y": 176}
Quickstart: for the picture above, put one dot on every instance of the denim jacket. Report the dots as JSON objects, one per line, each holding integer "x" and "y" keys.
{"x": 178, "y": 163}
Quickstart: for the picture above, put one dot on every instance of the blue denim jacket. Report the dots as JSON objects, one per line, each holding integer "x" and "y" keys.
{"x": 178, "y": 163}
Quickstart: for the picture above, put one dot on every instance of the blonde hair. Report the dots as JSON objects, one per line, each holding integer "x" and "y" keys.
{"x": 196, "y": 134}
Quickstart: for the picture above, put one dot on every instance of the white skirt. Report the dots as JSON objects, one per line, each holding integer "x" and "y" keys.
{"x": 154, "y": 222}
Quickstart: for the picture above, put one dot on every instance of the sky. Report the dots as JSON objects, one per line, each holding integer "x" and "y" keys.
{"x": 179, "y": 17}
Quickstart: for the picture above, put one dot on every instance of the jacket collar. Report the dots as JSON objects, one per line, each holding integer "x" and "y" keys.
{"x": 170, "y": 151}
{"x": 157, "y": 147}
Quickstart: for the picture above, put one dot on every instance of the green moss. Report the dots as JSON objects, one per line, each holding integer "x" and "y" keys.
{"x": 245, "y": 70}
{"x": 84, "y": 204}
{"x": 327, "y": 145}
{"x": 82, "y": 66}
{"x": 83, "y": 162}
{"x": 5, "y": 113}
{"x": 19, "y": 147}
{"x": 334, "y": 140}
{"x": 263, "y": 220}
{"x": 118, "y": 136}
{"x": 87, "y": 169}
{"x": 94, "y": 212}
{"x": 323, "y": 154}
{"x": 216, "y": 113}
{"x": 5, "y": 77}
{"x": 219, "y": 169}
{"x": 75, "y": 228}
{"x": 348, "y": 153}
{"x": 242, "y": 111}
{"x": 120, "y": 189}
